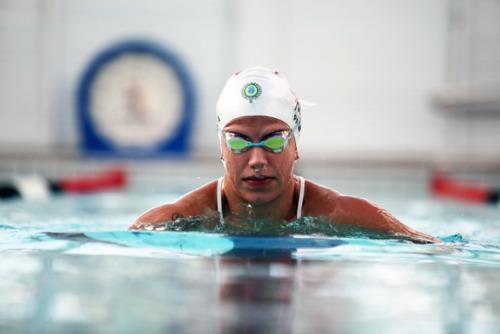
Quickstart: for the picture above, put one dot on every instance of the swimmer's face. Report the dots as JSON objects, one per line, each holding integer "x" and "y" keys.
{"x": 258, "y": 176}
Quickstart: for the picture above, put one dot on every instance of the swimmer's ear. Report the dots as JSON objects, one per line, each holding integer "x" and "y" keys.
{"x": 223, "y": 162}
{"x": 296, "y": 151}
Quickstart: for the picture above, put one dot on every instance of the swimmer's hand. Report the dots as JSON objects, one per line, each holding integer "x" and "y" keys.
{"x": 156, "y": 216}
{"x": 154, "y": 225}
{"x": 140, "y": 225}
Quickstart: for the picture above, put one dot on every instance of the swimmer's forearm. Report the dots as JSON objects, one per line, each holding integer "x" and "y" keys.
{"x": 385, "y": 222}
{"x": 398, "y": 229}
{"x": 371, "y": 217}
{"x": 416, "y": 236}
{"x": 382, "y": 231}
{"x": 158, "y": 215}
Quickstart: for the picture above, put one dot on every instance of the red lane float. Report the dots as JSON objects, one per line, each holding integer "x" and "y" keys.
{"x": 443, "y": 186}
{"x": 36, "y": 187}
{"x": 115, "y": 178}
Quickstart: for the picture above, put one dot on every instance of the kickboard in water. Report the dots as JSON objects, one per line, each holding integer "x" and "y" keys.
{"x": 204, "y": 243}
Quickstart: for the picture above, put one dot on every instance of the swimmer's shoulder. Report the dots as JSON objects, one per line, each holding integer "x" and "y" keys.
{"x": 322, "y": 201}
{"x": 319, "y": 200}
{"x": 198, "y": 202}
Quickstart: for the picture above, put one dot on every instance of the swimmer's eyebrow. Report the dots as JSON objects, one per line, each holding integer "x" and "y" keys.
{"x": 238, "y": 134}
{"x": 270, "y": 134}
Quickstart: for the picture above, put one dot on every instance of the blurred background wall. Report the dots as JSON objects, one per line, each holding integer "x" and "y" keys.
{"x": 413, "y": 81}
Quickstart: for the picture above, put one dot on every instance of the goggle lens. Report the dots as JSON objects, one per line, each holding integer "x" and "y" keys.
{"x": 275, "y": 144}
{"x": 237, "y": 144}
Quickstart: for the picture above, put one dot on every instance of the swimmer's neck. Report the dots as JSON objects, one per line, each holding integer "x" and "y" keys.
{"x": 281, "y": 208}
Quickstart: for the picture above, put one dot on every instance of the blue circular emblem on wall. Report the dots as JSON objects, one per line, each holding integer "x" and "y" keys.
{"x": 136, "y": 98}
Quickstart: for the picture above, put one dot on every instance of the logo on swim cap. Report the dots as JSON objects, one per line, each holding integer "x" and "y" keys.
{"x": 251, "y": 91}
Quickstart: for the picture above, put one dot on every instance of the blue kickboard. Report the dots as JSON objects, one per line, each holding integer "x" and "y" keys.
{"x": 206, "y": 243}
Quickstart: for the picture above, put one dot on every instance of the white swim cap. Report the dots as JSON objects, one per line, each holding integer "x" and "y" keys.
{"x": 258, "y": 91}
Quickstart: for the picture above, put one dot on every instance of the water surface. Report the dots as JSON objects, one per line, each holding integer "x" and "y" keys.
{"x": 58, "y": 274}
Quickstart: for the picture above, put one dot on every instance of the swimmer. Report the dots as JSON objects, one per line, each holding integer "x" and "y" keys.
{"x": 259, "y": 124}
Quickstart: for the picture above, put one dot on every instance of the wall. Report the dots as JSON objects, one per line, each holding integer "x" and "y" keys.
{"x": 371, "y": 67}
{"x": 473, "y": 55}
{"x": 22, "y": 121}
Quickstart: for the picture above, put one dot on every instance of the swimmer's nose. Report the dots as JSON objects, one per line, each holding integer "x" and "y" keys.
{"x": 257, "y": 159}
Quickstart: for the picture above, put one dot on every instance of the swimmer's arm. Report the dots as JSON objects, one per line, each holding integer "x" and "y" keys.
{"x": 157, "y": 215}
{"x": 371, "y": 217}
{"x": 197, "y": 202}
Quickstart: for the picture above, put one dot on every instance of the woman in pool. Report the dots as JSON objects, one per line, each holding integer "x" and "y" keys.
{"x": 258, "y": 118}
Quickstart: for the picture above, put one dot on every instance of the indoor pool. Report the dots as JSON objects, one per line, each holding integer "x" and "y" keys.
{"x": 69, "y": 265}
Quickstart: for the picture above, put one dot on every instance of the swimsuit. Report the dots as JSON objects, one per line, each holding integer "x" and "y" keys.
{"x": 299, "y": 204}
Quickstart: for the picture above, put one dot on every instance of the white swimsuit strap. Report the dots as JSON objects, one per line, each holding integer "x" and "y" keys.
{"x": 219, "y": 198}
{"x": 301, "y": 196}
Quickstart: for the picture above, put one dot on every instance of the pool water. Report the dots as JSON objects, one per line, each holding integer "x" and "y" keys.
{"x": 68, "y": 265}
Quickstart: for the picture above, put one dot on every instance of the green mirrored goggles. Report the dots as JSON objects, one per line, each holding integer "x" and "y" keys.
{"x": 275, "y": 143}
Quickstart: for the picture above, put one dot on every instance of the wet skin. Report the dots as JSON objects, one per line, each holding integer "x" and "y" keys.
{"x": 259, "y": 180}
{"x": 261, "y": 184}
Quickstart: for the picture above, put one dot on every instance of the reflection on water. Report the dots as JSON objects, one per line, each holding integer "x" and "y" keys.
{"x": 255, "y": 296}
{"x": 57, "y": 293}
{"x": 67, "y": 282}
